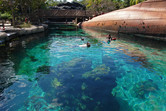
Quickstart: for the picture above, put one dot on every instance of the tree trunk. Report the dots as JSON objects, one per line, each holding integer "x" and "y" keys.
{"x": 13, "y": 18}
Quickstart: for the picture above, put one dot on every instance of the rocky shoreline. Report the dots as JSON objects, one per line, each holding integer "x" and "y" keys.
{"x": 10, "y": 32}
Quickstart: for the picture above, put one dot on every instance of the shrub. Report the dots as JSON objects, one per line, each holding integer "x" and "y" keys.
{"x": 25, "y": 25}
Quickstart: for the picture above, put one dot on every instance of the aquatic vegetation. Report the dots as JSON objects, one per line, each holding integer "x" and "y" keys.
{"x": 97, "y": 72}
{"x": 56, "y": 83}
{"x": 84, "y": 86}
{"x": 44, "y": 69}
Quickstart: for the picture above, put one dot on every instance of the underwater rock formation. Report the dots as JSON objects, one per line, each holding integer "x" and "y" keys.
{"x": 74, "y": 85}
{"x": 64, "y": 72}
{"x": 142, "y": 89}
{"x": 7, "y": 75}
{"x": 147, "y": 18}
{"x": 44, "y": 69}
{"x": 97, "y": 72}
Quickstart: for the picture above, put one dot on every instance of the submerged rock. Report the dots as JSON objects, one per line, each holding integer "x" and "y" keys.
{"x": 62, "y": 73}
{"x": 7, "y": 75}
{"x": 67, "y": 86}
{"x": 97, "y": 72}
{"x": 33, "y": 59}
{"x": 76, "y": 65}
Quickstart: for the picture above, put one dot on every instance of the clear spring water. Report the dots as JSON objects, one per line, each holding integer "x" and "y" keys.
{"x": 50, "y": 72}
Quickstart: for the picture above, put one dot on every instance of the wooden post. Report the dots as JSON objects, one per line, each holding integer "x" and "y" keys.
{"x": 76, "y": 20}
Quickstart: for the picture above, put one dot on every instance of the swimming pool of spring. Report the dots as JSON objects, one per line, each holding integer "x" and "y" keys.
{"x": 50, "y": 72}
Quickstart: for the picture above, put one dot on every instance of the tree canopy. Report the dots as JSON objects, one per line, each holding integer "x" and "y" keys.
{"x": 98, "y": 6}
{"x": 21, "y": 8}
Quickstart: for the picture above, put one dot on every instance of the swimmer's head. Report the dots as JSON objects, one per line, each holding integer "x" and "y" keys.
{"x": 109, "y": 36}
{"x": 88, "y": 44}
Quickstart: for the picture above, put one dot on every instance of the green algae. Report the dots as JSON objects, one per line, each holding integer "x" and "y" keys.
{"x": 85, "y": 97}
{"x": 56, "y": 83}
{"x": 84, "y": 86}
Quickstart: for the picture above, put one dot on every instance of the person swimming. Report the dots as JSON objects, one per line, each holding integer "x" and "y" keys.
{"x": 85, "y": 45}
{"x": 109, "y": 37}
{"x": 82, "y": 39}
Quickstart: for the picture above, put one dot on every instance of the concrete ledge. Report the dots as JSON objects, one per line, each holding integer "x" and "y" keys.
{"x": 4, "y": 36}
{"x": 26, "y": 31}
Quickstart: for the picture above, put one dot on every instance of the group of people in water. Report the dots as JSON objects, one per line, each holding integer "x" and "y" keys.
{"x": 109, "y": 38}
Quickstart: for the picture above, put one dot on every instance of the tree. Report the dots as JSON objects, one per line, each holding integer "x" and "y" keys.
{"x": 64, "y": 0}
{"x": 21, "y": 7}
{"x": 52, "y": 2}
{"x": 98, "y": 6}
{"x": 133, "y": 2}
{"x": 6, "y": 16}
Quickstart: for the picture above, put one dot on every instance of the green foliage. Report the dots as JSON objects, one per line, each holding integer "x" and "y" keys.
{"x": 98, "y": 6}
{"x": 133, "y": 2}
{"x": 23, "y": 8}
{"x": 52, "y": 2}
{"x": 6, "y": 16}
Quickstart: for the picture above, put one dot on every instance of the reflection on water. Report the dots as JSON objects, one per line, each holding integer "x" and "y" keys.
{"x": 51, "y": 72}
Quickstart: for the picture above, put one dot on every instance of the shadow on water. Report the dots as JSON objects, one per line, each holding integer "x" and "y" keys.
{"x": 149, "y": 42}
{"x": 139, "y": 48}
{"x": 158, "y": 44}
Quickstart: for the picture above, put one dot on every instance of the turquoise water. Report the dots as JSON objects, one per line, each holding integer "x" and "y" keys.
{"x": 50, "y": 72}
